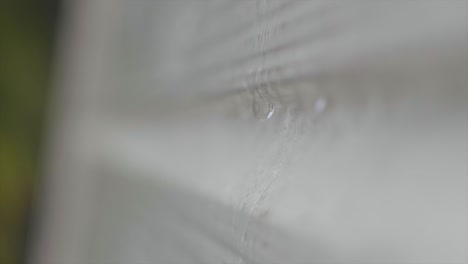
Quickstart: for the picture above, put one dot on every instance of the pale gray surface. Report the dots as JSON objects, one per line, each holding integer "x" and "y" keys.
{"x": 262, "y": 132}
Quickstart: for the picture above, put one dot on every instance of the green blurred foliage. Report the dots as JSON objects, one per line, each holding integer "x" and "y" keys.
{"x": 26, "y": 37}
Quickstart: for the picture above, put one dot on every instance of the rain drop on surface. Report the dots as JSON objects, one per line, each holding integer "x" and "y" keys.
{"x": 262, "y": 108}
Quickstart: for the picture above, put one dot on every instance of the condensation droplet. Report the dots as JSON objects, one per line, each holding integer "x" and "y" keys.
{"x": 262, "y": 108}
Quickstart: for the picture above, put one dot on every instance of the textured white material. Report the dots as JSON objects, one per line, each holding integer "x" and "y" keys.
{"x": 263, "y": 131}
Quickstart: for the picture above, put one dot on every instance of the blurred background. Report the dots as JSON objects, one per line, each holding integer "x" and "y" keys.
{"x": 27, "y": 30}
{"x": 188, "y": 129}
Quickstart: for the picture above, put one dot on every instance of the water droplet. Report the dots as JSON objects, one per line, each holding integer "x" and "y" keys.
{"x": 320, "y": 104}
{"x": 263, "y": 108}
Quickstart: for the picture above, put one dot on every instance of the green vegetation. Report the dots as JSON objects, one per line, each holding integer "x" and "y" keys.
{"x": 26, "y": 37}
